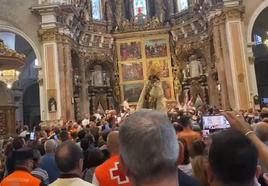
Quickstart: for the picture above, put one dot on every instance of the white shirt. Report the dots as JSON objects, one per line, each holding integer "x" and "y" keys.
{"x": 85, "y": 122}
{"x": 70, "y": 182}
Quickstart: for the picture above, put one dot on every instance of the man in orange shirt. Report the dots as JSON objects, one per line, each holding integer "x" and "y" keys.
{"x": 22, "y": 174}
{"x": 187, "y": 133}
{"x": 111, "y": 172}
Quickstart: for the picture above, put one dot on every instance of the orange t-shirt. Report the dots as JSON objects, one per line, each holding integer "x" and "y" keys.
{"x": 111, "y": 173}
{"x": 20, "y": 178}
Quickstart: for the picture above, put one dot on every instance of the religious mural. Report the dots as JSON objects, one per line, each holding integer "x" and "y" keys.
{"x": 156, "y": 48}
{"x": 132, "y": 92}
{"x": 158, "y": 67}
{"x": 130, "y": 51}
{"x": 132, "y": 72}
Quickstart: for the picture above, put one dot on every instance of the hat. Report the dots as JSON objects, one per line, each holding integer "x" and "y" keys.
{"x": 23, "y": 154}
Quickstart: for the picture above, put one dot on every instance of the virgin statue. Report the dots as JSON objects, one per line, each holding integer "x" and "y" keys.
{"x": 152, "y": 95}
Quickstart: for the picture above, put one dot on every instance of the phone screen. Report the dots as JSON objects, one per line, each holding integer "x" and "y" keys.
{"x": 215, "y": 122}
{"x": 32, "y": 136}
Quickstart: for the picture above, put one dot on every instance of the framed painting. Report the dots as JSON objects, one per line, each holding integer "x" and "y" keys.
{"x": 132, "y": 72}
{"x": 167, "y": 89}
{"x": 130, "y": 51}
{"x": 158, "y": 67}
{"x": 132, "y": 92}
{"x": 156, "y": 48}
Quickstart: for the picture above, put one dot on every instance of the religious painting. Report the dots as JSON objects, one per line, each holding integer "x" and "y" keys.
{"x": 132, "y": 72}
{"x": 130, "y": 51}
{"x": 132, "y": 92}
{"x": 156, "y": 48}
{"x": 52, "y": 103}
{"x": 167, "y": 89}
{"x": 140, "y": 7}
{"x": 159, "y": 67}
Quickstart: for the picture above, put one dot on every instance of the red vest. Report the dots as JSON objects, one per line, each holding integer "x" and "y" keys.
{"x": 111, "y": 173}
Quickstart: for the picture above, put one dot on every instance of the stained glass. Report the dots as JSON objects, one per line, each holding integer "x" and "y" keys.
{"x": 182, "y": 5}
{"x": 96, "y": 9}
{"x": 139, "y": 7}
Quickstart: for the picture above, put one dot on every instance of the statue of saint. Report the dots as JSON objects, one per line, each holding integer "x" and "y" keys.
{"x": 152, "y": 96}
{"x": 195, "y": 67}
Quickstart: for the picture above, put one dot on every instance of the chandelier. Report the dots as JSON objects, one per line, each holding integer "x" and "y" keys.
{"x": 10, "y": 63}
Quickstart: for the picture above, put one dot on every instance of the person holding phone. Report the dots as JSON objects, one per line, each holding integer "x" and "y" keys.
{"x": 238, "y": 123}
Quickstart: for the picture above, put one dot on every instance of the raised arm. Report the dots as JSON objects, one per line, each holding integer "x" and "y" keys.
{"x": 238, "y": 123}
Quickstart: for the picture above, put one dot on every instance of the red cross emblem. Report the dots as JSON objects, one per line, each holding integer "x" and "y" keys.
{"x": 117, "y": 174}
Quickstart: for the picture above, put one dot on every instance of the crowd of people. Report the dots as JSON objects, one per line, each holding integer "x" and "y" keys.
{"x": 144, "y": 148}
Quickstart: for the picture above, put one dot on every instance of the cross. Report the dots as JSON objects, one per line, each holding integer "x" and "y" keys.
{"x": 117, "y": 174}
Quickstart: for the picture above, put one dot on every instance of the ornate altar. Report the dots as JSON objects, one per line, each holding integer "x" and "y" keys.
{"x": 10, "y": 62}
{"x": 139, "y": 57}
{"x": 7, "y": 120}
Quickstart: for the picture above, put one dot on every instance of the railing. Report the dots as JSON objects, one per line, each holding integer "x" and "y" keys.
{"x": 46, "y": 2}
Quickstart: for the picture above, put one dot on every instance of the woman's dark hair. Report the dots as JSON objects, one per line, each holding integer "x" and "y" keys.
{"x": 94, "y": 158}
{"x": 198, "y": 148}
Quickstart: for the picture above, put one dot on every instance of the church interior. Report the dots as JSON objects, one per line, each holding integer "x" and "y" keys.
{"x": 133, "y": 93}
{"x": 62, "y": 59}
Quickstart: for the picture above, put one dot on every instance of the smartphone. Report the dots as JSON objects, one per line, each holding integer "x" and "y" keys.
{"x": 215, "y": 122}
{"x": 32, "y": 136}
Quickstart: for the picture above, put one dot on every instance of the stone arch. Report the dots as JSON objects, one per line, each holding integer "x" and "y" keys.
{"x": 19, "y": 32}
{"x": 253, "y": 19}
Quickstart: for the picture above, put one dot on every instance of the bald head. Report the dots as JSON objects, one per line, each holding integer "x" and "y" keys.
{"x": 50, "y": 146}
{"x": 113, "y": 142}
{"x": 68, "y": 156}
{"x": 262, "y": 131}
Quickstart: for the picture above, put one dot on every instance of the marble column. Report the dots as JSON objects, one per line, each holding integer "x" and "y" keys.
{"x": 219, "y": 61}
{"x": 69, "y": 82}
{"x": 84, "y": 101}
{"x": 237, "y": 59}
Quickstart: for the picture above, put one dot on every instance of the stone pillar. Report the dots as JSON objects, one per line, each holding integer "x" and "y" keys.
{"x": 84, "y": 106}
{"x": 237, "y": 60}
{"x": 219, "y": 61}
{"x": 56, "y": 73}
{"x": 66, "y": 77}
{"x": 213, "y": 92}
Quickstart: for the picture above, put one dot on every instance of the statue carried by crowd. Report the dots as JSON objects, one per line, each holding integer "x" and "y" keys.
{"x": 152, "y": 95}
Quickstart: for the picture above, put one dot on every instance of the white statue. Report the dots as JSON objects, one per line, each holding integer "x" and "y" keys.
{"x": 195, "y": 67}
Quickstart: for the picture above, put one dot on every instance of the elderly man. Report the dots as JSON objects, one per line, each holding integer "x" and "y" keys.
{"x": 69, "y": 159}
{"x": 149, "y": 149}
{"x": 47, "y": 162}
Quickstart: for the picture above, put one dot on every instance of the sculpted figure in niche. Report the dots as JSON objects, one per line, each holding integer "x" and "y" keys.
{"x": 195, "y": 67}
